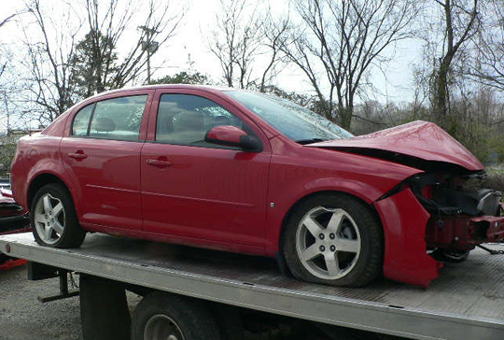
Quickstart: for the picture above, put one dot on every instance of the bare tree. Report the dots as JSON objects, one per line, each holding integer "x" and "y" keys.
{"x": 64, "y": 68}
{"x": 488, "y": 65}
{"x": 48, "y": 62}
{"x": 6, "y": 20}
{"x": 275, "y": 33}
{"x": 244, "y": 39}
{"x": 3, "y": 64}
{"x": 98, "y": 65}
{"x": 9, "y": 18}
{"x": 7, "y": 83}
{"x": 341, "y": 41}
{"x": 460, "y": 18}
{"x": 235, "y": 41}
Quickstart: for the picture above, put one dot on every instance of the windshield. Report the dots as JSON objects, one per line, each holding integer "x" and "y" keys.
{"x": 293, "y": 121}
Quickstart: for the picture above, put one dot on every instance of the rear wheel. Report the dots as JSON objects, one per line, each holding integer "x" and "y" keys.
{"x": 54, "y": 219}
{"x": 334, "y": 239}
{"x": 172, "y": 317}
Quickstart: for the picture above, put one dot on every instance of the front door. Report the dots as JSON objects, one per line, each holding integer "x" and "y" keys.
{"x": 198, "y": 190}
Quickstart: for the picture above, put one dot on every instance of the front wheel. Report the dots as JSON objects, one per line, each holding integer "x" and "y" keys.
{"x": 54, "y": 219}
{"x": 334, "y": 239}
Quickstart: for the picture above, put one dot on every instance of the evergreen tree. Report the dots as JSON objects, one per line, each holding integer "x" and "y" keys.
{"x": 94, "y": 64}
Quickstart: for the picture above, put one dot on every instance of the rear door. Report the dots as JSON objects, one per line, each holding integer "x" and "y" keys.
{"x": 198, "y": 190}
{"x": 102, "y": 157}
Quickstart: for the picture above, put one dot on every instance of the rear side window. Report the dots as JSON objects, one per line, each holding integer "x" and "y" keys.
{"x": 118, "y": 119}
{"x": 81, "y": 121}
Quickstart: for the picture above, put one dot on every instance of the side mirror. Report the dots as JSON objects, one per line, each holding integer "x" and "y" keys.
{"x": 228, "y": 135}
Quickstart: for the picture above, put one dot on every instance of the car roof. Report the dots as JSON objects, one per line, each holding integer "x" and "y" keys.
{"x": 209, "y": 88}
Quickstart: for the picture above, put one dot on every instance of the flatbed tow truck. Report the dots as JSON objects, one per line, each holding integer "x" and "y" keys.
{"x": 465, "y": 302}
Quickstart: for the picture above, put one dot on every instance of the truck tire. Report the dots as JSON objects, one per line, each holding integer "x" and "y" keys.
{"x": 54, "y": 219}
{"x": 334, "y": 239}
{"x": 169, "y": 316}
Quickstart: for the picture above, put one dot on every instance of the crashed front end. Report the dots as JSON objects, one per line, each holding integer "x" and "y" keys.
{"x": 461, "y": 217}
{"x": 433, "y": 217}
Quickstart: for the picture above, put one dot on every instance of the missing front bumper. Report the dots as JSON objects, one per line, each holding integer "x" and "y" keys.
{"x": 462, "y": 233}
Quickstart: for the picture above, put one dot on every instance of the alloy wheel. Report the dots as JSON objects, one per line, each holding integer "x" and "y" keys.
{"x": 49, "y": 218}
{"x": 328, "y": 242}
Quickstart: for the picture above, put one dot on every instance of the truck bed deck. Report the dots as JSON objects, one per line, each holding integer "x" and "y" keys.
{"x": 465, "y": 302}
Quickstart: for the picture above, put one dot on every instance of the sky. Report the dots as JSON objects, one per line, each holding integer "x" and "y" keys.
{"x": 394, "y": 84}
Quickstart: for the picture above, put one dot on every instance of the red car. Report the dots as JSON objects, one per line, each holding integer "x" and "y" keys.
{"x": 13, "y": 219}
{"x": 256, "y": 174}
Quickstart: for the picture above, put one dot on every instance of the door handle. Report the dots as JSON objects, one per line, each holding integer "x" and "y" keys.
{"x": 159, "y": 162}
{"x": 77, "y": 155}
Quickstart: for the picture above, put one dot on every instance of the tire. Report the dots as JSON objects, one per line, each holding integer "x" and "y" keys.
{"x": 167, "y": 316}
{"x": 333, "y": 239}
{"x": 53, "y": 218}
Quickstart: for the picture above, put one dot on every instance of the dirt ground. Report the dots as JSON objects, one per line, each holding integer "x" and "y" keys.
{"x": 23, "y": 317}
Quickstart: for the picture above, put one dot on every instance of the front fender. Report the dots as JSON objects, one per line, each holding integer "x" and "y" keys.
{"x": 404, "y": 222}
{"x": 282, "y": 201}
{"x": 289, "y": 187}
{"x": 362, "y": 190}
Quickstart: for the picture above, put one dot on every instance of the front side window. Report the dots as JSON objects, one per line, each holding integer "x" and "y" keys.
{"x": 118, "y": 119}
{"x": 185, "y": 119}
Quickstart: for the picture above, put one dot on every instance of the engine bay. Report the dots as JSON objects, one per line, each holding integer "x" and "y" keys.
{"x": 463, "y": 214}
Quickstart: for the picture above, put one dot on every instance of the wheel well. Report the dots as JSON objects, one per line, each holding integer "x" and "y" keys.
{"x": 39, "y": 182}
{"x": 321, "y": 193}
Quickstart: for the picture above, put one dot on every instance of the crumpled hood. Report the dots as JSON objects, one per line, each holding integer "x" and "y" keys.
{"x": 419, "y": 139}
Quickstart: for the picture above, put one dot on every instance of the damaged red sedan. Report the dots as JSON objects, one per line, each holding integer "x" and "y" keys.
{"x": 256, "y": 174}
